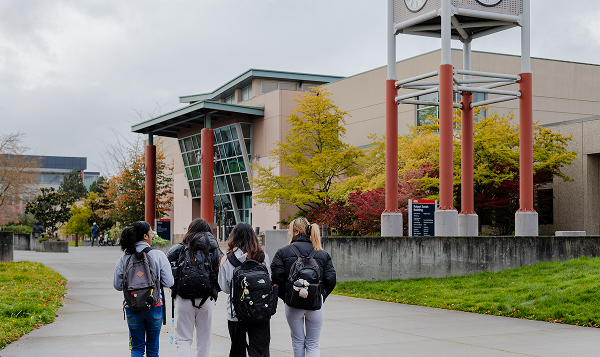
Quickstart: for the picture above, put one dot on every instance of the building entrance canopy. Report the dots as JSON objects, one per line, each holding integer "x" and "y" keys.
{"x": 170, "y": 124}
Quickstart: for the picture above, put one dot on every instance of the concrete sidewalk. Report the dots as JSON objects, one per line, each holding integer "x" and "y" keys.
{"x": 91, "y": 324}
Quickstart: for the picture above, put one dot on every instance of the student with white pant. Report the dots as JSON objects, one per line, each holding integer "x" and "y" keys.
{"x": 198, "y": 246}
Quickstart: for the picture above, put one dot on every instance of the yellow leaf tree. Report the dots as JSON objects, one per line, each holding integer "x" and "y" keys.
{"x": 312, "y": 156}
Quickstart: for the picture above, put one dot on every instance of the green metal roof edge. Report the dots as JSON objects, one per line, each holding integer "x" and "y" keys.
{"x": 260, "y": 73}
{"x": 208, "y": 104}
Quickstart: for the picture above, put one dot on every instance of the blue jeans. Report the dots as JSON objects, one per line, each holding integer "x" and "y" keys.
{"x": 144, "y": 330}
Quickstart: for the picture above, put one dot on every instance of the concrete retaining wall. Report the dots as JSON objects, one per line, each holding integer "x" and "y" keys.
{"x": 379, "y": 258}
{"x": 6, "y": 247}
{"x": 52, "y": 246}
{"x": 22, "y": 241}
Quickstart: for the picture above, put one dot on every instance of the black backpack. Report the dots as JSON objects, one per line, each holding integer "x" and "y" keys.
{"x": 141, "y": 286}
{"x": 196, "y": 280}
{"x": 253, "y": 297}
{"x": 304, "y": 286}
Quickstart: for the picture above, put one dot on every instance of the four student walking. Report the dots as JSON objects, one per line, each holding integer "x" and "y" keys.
{"x": 301, "y": 274}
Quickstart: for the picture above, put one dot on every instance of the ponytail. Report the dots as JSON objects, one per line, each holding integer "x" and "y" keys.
{"x": 303, "y": 227}
{"x": 133, "y": 234}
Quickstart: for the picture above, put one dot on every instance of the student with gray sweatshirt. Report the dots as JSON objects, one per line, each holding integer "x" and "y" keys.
{"x": 243, "y": 243}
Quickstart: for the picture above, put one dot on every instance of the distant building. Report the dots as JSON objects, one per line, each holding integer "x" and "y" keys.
{"x": 54, "y": 168}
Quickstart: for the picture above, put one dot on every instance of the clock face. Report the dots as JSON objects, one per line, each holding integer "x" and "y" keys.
{"x": 489, "y": 2}
{"x": 415, "y": 5}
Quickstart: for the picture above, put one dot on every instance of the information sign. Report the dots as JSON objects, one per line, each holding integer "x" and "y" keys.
{"x": 421, "y": 218}
{"x": 163, "y": 228}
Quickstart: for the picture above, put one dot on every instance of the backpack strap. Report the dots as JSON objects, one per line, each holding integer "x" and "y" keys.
{"x": 295, "y": 250}
{"x": 233, "y": 259}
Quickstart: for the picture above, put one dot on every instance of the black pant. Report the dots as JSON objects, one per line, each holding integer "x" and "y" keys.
{"x": 259, "y": 337}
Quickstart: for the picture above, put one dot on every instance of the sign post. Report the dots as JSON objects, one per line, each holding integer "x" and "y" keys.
{"x": 421, "y": 218}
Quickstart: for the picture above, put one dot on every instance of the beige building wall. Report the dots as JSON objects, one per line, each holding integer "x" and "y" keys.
{"x": 577, "y": 203}
{"x": 265, "y": 132}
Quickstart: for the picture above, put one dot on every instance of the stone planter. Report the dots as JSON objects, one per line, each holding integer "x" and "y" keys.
{"x": 52, "y": 246}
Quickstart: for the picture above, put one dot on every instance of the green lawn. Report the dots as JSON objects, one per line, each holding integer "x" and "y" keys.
{"x": 30, "y": 295}
{"x": 565, "y": 292}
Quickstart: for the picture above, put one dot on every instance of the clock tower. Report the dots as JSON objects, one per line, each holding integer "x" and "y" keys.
{"x": 463, "y": 20}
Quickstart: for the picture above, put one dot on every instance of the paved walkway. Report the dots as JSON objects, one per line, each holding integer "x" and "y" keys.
{"x": 91, "y": 324}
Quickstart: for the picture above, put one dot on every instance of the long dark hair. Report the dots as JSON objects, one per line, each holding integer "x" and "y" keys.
{"x": 132, "y": 235}
{"x": 242, "y": 237}
{"x": 196, "y": 230}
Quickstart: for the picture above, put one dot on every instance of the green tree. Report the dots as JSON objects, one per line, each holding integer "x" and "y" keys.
{"x": 78, "y": 223}
{"x": 311, "y": 158}
{"x": 52, "y": 208}
{"x": 98, "y": 185}
{"x": 496, "y": 165}
{"x": 73, "y": 185}
{"x": 124, "y": 196}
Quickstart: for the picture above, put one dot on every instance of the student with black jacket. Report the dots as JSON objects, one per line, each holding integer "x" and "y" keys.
{"x": 198, "y": 245}
{"x": 305, "y": 241}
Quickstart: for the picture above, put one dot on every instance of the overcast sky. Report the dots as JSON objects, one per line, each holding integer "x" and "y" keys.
{"x": 74, "y": 71}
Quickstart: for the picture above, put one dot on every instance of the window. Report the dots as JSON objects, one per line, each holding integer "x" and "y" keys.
{"x": 269, "y": 86}
{"x": 230, "y": 99}
{"x": 426, "y": 114}
{"x": 247, "y": 93}
{"x": 309, "y": 87}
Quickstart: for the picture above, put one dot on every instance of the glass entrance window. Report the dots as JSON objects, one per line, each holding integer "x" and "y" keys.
{"x": 232, "y": 191}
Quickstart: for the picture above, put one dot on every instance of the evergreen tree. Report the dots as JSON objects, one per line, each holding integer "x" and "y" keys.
{"x": 73, "y": 185}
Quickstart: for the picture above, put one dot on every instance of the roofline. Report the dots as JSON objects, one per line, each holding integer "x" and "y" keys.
{"x": 205, "y": 104}
{"x": 572, "y": 121}
{"x": 473, "y": 51}
{"x": 259, "y": 73}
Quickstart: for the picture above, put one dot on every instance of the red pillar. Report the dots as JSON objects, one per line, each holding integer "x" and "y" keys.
{"x": 391, "y": 147}
{"x": 150, "y": 185}
{"x": 446, "y": 135}
{"x": 466, "y": 155}
{"x": 526, "y": 143}
{"x": 206, "y": 175}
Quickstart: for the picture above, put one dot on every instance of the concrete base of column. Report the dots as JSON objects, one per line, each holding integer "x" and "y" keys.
{"x": 446, "y": 223}
{"x": 468, "y": 225}
{"x": 391, "y": 224}
{"x": 526, "y": 224}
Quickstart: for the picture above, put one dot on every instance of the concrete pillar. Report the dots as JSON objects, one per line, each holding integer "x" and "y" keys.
{"x": 150, "y": 184}
{"x": 391, "y": 224}
{"x": 446, "y": 216}
{"x": 206, "y": 174}
{"x": 468, "y": 221}
{"x": 6, "y": 247}
{"x": 526, "y": 218}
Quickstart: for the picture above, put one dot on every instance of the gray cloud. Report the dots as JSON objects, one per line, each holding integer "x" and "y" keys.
{"x": 71, "y": 70}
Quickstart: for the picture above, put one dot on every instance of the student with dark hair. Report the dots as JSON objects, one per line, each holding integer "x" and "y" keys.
{"x": 198, "y": 247}
{"x": 243, "y": 244}
{"x": 144, "y": 325}
{"x": 304, "y": 318}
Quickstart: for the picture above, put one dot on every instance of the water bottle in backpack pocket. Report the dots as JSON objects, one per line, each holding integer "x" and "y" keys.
{"x": 253, "y": 296}
{"x": 304, "y": 287}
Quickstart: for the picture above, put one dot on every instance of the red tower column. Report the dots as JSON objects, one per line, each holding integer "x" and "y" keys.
{"x": 207, "y": 152}
{"x": 391, "y": 147}
{"x": 466, "y": 159}
{"x": 526, "y": 144}
{"x": 446, "y": 136}
{"x": 150, "y": 185}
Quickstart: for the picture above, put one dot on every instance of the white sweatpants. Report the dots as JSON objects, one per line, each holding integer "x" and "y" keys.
{"x": 305, "y": 341}
{"x": 186, "y": 318}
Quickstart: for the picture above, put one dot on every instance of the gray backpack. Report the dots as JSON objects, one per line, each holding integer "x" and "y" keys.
{"x": 141, "y": 285}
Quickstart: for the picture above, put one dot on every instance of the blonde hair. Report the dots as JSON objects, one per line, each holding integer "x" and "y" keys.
{"x": 302, "y": 226}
